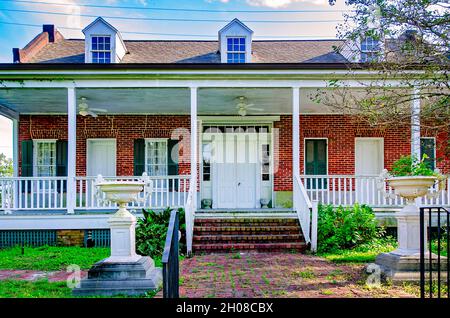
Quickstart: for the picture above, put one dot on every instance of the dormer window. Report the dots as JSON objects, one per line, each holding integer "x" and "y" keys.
{"x": 101, "y": 49}
{"x": 236, "y": 50}
{"x": 369, "y": 50}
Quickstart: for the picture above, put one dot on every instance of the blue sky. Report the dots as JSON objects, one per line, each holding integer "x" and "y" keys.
{"x": 12, "y": 35}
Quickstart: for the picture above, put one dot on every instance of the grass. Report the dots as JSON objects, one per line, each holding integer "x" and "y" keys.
{"x": 51, "y": 258}
{"x": 37, "y": 289}
{"x": 365, "y": 253}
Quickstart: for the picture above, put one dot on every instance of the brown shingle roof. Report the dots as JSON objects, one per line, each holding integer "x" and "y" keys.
{"x": 295, "y": 51}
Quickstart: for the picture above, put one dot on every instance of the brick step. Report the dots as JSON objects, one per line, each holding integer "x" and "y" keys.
{"x": 267, "y": 238}
{"x": 240, "y": 221}
{"x": 256, "y": 247}
{"x": 245, "y": 230}
{"x": 240, "y": 224}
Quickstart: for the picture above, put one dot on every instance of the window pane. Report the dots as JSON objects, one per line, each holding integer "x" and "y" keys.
{"x": 427, "y": 147}
{"x": 45, "y": 159}
{"x": 242, "y": 40}
{"x": 156, "y": 158}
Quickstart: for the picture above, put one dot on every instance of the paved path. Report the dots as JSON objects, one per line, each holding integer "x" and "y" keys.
{"x": 275, "y": 275}
{"x": 257, "y": 275}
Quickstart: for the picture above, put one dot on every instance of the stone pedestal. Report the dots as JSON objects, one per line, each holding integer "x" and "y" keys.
{"x": 124, "y": 272}
{"x": 403, "y": 264}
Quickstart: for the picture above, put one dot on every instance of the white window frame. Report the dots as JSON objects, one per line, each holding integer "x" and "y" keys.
{"x": 373, "y": 51}
{"x": 92, "y": 51}
{"x": 35, "y": 155}
{"x": 165, "y": 140}
{"x": 237, "y": 52}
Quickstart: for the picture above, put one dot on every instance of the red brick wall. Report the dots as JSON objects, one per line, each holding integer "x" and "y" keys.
{"x": 340, "y": 131}
{"x": 125, "y": 128}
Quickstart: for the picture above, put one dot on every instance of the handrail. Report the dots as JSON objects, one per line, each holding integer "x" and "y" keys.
{"x": 189, "y": 215}
{"x": 303, "y": 207}
{"x": 170, "y": 258}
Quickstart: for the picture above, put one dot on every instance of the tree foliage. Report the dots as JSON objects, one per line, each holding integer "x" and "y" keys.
{"x": 413, "y": 41}
{"x": 6, "y": 166}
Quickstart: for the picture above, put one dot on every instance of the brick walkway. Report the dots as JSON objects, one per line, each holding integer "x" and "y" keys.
{"x": 257, "y": 275}
{"x": 275, "y": 275}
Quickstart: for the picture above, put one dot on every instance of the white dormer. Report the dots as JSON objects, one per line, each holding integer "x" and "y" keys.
{"x": 103, "y": 43}
{"x": 363, "y": 50}
{"x": 235, "y": 43}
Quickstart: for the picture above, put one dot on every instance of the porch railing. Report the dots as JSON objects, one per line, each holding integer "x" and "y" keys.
{"x": 33, "y": 193}
{"x": 349, "y": 189}
{"x": 168, "y": 191}
{"x": 170, "y": 259}
{"x": 50, "y": 193}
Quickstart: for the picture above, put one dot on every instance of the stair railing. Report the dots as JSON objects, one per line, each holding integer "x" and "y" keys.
{"x": 306, "y": 212}
{"x": 189, "y": 209}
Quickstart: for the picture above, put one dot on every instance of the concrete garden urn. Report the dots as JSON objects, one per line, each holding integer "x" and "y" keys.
{"x": 403, "y": 264}
{"x": 124, "y": 272}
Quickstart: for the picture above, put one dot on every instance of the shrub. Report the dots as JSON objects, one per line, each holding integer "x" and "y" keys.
{"x": 409, "y": 166}
{"x": 151, "y": 232}
{"x": 346, "y": 227}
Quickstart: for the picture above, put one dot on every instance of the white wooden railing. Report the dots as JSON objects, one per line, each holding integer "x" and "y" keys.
{"x": 189, "y": 210}
{"x": 50, "y": 193}
{"x": 167, "y": 191}
{"x": 33, "y": 193}
{"x": 348, "y": 189}
{"x": 306, "y": 212}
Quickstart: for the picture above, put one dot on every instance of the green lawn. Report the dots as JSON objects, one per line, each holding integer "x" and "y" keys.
{"x": 38, "y": 289}
{"x": 365, "y": 253}
{"x": 51, "y": 258}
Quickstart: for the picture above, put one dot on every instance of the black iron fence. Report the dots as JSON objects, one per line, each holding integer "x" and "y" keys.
{"x": 170, "y": 259}
{"x": 434, "y": 261}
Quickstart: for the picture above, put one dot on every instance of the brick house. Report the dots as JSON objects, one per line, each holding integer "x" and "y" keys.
{"x": 104, "y": 105}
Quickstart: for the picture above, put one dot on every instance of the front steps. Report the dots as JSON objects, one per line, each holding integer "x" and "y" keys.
{"x": 247, "y": 234}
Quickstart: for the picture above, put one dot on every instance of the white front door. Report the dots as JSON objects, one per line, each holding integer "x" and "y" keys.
{"x": 235, "y": 170}
{"x": 101, "y": 157}
{"x": 368, "y": 164}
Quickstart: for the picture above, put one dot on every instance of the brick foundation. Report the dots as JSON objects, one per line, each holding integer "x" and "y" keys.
{"x": 70, "y": 237}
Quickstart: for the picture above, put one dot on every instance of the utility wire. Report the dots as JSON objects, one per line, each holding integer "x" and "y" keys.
{"x": 171, "y": 34}
{"x": 171, "y": 9}
{"x": 169, "y": 19}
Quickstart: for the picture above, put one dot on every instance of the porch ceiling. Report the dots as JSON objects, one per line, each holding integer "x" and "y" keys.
{"x": 211, "y": 101}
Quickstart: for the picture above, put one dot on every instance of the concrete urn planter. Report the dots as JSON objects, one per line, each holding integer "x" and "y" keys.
{"x": 403, "y": 264}
{"x": 411, "y": 187}
{"x": 124, "y": 272}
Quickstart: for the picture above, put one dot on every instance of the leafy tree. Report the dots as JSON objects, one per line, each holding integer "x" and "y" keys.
{"x": 6, "y": 166}
{"x": 413, "y": 41}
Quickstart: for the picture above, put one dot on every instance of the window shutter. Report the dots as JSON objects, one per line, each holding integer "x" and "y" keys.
{"x": 61, "y": 158}
{"x": 139, "y": 157}
{"x": 172, "y": 168}
{"x": 27, "y": 158}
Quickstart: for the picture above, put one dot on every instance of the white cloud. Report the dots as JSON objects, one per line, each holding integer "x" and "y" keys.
{"x": 283, "y": 3}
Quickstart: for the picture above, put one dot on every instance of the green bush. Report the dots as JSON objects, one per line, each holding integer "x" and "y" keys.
{"x": 151, "y": 232}
{"x": 410, "y": 166}
{"x": 345, "y": 227}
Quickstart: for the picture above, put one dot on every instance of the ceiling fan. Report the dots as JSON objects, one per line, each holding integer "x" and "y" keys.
{"x": 84, "y": 110}
{"x": 243, "y": 107}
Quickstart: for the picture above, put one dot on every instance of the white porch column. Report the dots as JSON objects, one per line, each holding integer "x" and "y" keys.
{"x": 295, "y": 131}
{"x": 72, "y": 149}
{"x": 415, "y": 123}
{"x": 194, "y": 148}
{"x": 15, "y": 155}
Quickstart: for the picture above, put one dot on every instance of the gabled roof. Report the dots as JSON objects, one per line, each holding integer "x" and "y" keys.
{"x": 235, "y": 21}
{"x": 281, "y": 51}
{"x": 100, "y": 19}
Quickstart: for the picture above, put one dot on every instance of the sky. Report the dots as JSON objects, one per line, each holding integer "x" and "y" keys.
{"x": 17, "y": 27}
